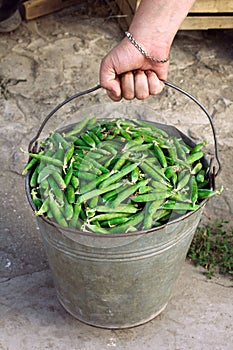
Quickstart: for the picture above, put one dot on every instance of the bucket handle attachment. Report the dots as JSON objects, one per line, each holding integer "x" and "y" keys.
{"x": 33, "y": 148}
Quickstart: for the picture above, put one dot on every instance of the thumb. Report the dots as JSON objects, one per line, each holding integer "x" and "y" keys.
{"x": 110, "y": 81}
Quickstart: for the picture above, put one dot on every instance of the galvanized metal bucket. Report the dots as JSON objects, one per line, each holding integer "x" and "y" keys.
{"x": 118, "y": 280}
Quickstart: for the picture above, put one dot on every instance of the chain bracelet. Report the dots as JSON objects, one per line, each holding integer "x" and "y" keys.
{"x": 136, "y": 44}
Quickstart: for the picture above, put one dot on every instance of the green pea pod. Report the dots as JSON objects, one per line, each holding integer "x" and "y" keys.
{"x": 117, "y": 176}
{"x": 45, "y": 172}
{"x": 108, "y": 216}
{"x": 200, "y": 177}
{"x": 150, "y": 210}
{"x": 171, "y": 173}
{"x": 197, "y": 168}
{"x": 141, "y": 148}
{"x": 145, "y": 189}
{"x": 126, "y": 227}
{"x": 148, "y": 136}
{"x": 94, "y": 183}
{"x": 61, "y": 140}
{"x": 56, "y": 212}
{"x": 59, "y": 154}
{"x": 81, "y": 163}
{"x": 115, "y": 221}
{"x": 154, "y": 206}
{"x": 125, "y": 134}
{"x": 47, "y": 159}
{"x": 91, "y": 122}
{"x": 153, "y": 196}
{"x": 34, "y": 178}
{"x": 181, "y": 196}
{"x": 193, "y": 190}
{"x": 95, "y": 155}
{"x": 68, "y": 155}
{"x": 73, "y": 223}
{"x": 56, "y": 190}
{"x": 135, "y": 175}
{"x": 183, "y": 179}
{"x": 44, "y": 208}
{"x": 157, "y": 168}
{"x": 93, "y": 202}
{"x": 67, "y": 210}
{"x": 95, "y": 229}
{"x": 70, "y": 194}
{"x": 160, "y": 155}
{"x": 134, "y": 142}
{"x": 158, "y": 186}
{"x": 36, "y": 200}
{"x": 88, "y": 139}
{"x": 85, "y": 175}
{"x": 128, "y": 192}
{"x": 59, "y": 179}
{"x": 44, "y": 187}
{"x": 193, "y": 157}
{"x": 179, "y": 149}
{"x": 30, "y": 165}
{"x": 148, "y": 220}
{"x": 155, "y": 175}
{"x": 74, "y": 182}
{"x": 174, "y": 205}
{"x": 122, "y": 208}
{"x": 113, "y": 146}
{"x": 68, "y": 175}
{"x": 78, "y": 142}
{"x": 160, "y": 214}
{"x": 110, "y": 196}
{"x": 152, "y": 127}
{"x": 97, "y": 165}
{"x": 198, "y": 147}
{"x": 207, "y": 193}
{"x": 121, "y": 161}
{"x": 78, "y": 127}
{"x": 84, "y": 197}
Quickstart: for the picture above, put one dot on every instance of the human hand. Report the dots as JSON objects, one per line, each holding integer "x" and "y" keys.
{"x": 126, "y": 73}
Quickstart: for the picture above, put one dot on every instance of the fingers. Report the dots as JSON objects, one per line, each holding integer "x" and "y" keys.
{"x": 140, "y": 84}
{"x": 155, "y": 85}
{"x": 127, "y": 85}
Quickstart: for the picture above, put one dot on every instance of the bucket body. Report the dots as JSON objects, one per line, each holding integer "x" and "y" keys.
{"x": 117, "y": 282}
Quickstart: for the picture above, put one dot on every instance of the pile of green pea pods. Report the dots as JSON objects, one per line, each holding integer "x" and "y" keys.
{"x": 116, "y": 176}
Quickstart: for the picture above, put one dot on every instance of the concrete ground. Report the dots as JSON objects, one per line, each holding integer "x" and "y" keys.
{"x": 41, "y": 63}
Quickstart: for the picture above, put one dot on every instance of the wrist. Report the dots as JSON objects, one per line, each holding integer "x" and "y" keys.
{"x": 155, "y": 44}
{"x": 156, "y": 23}
{"x": 143, "y": 51}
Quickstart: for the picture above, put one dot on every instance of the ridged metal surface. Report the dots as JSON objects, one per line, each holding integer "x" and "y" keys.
{"x": 122, "y": 285}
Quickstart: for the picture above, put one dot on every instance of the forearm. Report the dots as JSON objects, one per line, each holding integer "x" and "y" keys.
{"x": 159, "y": 20}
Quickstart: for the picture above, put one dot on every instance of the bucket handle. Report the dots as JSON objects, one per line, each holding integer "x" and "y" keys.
{"x": 32, "y": 148}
